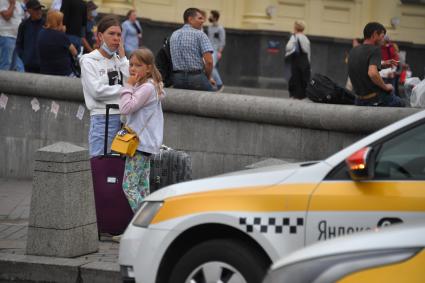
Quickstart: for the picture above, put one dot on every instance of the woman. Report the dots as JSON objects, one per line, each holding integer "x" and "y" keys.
{"x": 55, "y": 49}
{"x": 131, "y": 32}
{"x": 102, "y": 74}
{"x": 298, "y": 50}
{"x": 141, "y": 102}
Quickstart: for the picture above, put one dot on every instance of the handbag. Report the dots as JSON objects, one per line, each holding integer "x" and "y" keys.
{"x": 125, "y": 142}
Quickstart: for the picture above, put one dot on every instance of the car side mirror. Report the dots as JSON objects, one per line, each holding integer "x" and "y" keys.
{"x": 361, "y": 164}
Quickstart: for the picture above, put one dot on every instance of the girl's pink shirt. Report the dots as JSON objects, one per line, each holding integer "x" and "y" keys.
{"x": 135, "y": 97}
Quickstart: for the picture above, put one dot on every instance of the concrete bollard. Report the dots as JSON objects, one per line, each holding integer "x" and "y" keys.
{"x": 62, "y": 219}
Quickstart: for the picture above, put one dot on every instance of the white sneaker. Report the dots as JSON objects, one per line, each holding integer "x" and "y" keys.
{"x": 116, "y": 238}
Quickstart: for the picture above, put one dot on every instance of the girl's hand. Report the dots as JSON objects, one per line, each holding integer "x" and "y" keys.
{"x": 133, "y": 79}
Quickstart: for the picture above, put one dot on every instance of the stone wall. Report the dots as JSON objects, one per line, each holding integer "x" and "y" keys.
{"x": 223, "y": 132}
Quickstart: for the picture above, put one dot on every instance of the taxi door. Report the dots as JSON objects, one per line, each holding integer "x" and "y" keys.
{"x": 395, "y": 192}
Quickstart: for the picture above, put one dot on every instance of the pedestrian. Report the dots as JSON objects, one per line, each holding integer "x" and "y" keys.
{"x": 131, "y": 32}
{"x": 54, "y": 47}
{"x": 217, "y": 36}
{"x": 26, "y": 42}
{"x": 140, "y": 101}
{"x": 389, "y": 50}
{"x": 102, "y": 74}
{"x": 191, "y": 54}
{"x": 11, "y": 15}
{"x": 75, "y": 20}
{"x": 298, "y": 52}
{"x": 89, "y": 40}
{"x": 364, "y": 63}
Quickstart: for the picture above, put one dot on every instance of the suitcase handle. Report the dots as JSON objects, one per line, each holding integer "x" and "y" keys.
{"x": 108, "y": 106}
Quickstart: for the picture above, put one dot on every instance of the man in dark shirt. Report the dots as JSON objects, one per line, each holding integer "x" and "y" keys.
{"x": 363, "y": 69}
{"x": 26, "y": 42}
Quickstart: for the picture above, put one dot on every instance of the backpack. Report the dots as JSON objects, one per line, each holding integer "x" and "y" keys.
{"x": 322, "y": 89}
{"x": 164, "y": 64}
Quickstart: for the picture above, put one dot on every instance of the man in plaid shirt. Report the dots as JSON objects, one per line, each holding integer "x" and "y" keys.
{"x": 191, "y": 54}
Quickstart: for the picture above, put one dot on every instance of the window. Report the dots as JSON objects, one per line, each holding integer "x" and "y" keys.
{"x": 417, "y": 2}
{"x": 402, "y": 157}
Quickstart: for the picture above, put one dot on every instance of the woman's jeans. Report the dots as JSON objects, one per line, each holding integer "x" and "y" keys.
{"x": 97, "y": 133}
{"x": 7, "y": 47}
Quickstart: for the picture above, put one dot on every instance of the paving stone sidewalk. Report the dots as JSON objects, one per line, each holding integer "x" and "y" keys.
{"x": 15, "y": 198}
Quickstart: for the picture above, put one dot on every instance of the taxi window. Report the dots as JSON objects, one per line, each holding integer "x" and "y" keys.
{"x": 402, "y": 157}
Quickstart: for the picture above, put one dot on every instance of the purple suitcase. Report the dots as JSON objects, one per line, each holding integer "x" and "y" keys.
{"x": 112, "y": 209}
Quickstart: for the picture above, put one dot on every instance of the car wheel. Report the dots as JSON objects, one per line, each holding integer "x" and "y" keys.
{"x": 222, "y": 260}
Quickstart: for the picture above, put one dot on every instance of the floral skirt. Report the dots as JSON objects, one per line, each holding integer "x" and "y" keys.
{"x": 136, "y": 179}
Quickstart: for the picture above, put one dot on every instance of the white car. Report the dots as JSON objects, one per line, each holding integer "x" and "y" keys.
{"x": 394, "y": 254}
{"x": 232, "y": 227}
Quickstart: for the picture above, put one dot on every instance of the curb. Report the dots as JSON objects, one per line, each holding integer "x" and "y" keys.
{"x": 52, "y": 269}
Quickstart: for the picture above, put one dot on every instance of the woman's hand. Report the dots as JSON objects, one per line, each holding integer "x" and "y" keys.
{"x": 121, "y": 51}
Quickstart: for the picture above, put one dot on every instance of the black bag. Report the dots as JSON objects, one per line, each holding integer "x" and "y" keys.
{"x": 164, "y": 64}
{"x": 169, "y": 167}
{"x": 322, "y": 89}
{"x": 75, "y": 66}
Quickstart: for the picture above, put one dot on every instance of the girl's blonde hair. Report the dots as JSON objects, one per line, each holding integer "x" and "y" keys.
{"x": 54, "y": 20}
{"x": 146, "y": 56}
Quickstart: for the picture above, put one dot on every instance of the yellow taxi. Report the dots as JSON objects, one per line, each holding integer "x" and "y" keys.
{"x": 230, "y": 228}
{"x": 390, "y": 255}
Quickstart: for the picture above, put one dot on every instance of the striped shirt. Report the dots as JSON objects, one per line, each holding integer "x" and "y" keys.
{"x": 187, "y": 47}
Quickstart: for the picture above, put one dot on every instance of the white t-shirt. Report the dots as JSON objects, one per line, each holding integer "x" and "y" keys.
{"x": 56, "y": 5}
{"x": 10, "y": 27}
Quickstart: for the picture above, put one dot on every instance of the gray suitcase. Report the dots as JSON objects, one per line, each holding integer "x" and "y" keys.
{"x": 169, "y": 167}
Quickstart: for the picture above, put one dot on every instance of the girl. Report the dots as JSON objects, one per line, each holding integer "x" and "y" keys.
{"x": 102, "y": 73}
{"x": 141, "y": 102}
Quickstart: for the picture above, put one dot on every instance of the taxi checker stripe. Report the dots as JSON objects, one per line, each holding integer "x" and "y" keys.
{"x": 276, "y": 225}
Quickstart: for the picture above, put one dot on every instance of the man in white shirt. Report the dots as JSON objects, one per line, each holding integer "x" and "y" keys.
{"x": 11, "y": 15}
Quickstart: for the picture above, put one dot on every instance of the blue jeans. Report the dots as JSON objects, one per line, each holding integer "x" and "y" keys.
{"x": 97, "y": 133}
{"x": 382, "y": 99}
{"x": 17, "y": 64}
{"x": 192, "y": 81}
{"x": 7, "y": 46}
{"x": 215, "y": 73}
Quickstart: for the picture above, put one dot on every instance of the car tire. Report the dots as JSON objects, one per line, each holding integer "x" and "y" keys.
{"x": 222, "y": 259}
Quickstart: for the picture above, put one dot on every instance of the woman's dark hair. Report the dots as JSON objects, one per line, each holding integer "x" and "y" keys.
{"x": 215, "y": 14}
{"x": 190, "y": 12}
{"x": 107, "y": 22}
{"x": 129, "y": 13}
{"x": 370, "y": 28}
